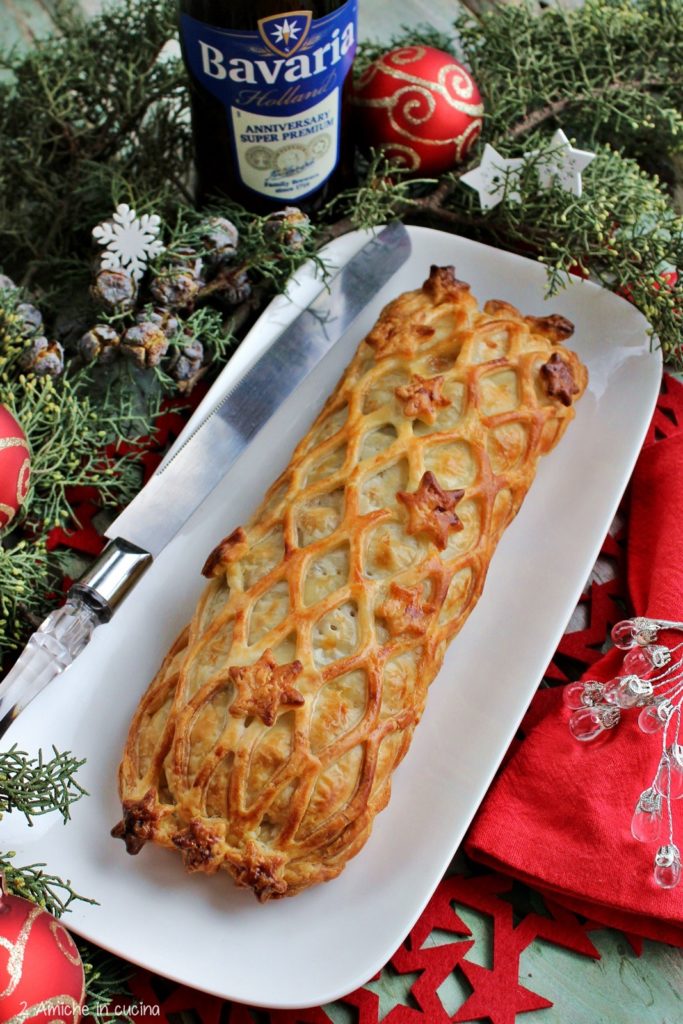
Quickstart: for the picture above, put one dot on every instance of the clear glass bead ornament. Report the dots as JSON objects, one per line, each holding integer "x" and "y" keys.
{"x": 582, "y": 695}
{"x": 669, "y": 778}
{"x": 646, "y": 823}
{"x": 611, "y": 691}
{"x": 636, "y": 662}
{"x": 668, "y": 866}
{"x": 587, "y": 723}
{"x": 630, "y": 633}
{"x": 653, "y": 717}
{"x": 658, "y": 655}
{"x": 644, "y": 630}
{"x": 623, "y": 635}
{"x": 572, "y": 695}
{"x": 592, "y": 692}
{"x": 633, "y": 692}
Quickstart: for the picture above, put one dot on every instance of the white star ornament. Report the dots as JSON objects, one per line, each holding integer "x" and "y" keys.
{"x": 563, "y": 165}
{"x": 492, "y": 178}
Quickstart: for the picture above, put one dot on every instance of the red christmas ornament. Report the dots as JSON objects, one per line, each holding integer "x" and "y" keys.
{"x": 14, "y": 466}
{"x": 420, "y": 107}
{"x": 41, "y": 974}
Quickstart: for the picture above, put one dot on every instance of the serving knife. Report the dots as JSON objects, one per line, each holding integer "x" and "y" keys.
{"x": 182, "y": 482}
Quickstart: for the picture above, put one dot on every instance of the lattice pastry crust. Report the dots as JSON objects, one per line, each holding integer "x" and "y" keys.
{"x": 266, "y": 743}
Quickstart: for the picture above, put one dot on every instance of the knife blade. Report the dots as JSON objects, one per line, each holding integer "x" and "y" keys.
{"x": 154, "y": 517}
{"x": 184, "y": 481}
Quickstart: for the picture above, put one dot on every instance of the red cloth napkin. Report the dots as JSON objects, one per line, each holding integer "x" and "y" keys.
{"x": 559, "y": 814}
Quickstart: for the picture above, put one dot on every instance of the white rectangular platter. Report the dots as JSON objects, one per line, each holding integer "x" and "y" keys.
{"x": 325, "y": 942}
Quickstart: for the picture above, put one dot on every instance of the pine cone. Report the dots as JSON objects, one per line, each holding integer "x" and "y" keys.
{"x": 177, "y": 285}
{"x": 188, "y": 366}
{"x": 221, "y": 238}
{"x": 101, "y": 342}
{"x": 114, "y": 290}
{"x": 163, "y": 318}
{"x": 287, "y": 227}
{"x": 144, "y": 343}
{"x": 44, "y": 358}
{"x": 31, "y": 317}
{"x": 233, "y": 285}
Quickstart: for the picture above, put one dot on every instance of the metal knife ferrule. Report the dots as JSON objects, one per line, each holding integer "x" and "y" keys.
{"x": 109, "y": 579}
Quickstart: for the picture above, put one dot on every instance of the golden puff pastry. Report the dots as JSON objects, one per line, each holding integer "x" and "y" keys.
{"x": 267, "y": 741}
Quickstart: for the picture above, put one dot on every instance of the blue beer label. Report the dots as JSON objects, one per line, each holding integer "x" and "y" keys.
{"x": 281, "y": 88}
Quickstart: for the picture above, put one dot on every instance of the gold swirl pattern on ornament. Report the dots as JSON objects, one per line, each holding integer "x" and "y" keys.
{"x": 454, "y": 84}
{"x": 23, "y": 481}
{"x": 411, "y": 156}
{"x": 412, "y": 100}
{"x": 6, "y": 510}
{"x": 13, "y": 442}
{"x": 48, "y": 1007}
{"x": 444, "y": 86}
{"x": 459, "y": 81}
{"x": 407, "y": 110}
{"x": 464, "y": 141}
{"x": 16, "y": 951}
{"x": 62, "y": 940}
{"x": 408, "y": 54}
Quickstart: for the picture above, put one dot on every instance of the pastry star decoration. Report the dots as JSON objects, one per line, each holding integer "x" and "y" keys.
{"x": 422, "y": 398}
{"x": 431, "y": 510}
{"x": 197, "y": 843}
{"x": 563, "y": 165}
{"x": 495, "y": 177}
{"x": 558, "y": 379}
{"x": 139, "y": 820}
{"x": 392, "y": 336}
{"x": 404, "y": 612}
{"x": 264, "y": 687}
{"x": 259, "y": 871}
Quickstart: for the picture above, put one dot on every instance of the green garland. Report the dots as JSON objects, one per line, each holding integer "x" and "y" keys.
{"x": 98, "y": 115}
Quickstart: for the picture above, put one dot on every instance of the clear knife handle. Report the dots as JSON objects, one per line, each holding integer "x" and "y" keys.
{"x": 66, "y": 631}
{"x": 52, "y": 648}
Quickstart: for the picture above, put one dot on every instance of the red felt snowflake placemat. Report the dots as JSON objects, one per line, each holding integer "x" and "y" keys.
{"x": 497, "y": 993}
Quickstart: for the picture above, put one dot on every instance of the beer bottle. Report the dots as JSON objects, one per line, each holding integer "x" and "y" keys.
{"x": 269, "y": 84}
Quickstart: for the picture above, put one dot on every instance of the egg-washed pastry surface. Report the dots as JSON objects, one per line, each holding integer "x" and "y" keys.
{"x": 267, "y": 741}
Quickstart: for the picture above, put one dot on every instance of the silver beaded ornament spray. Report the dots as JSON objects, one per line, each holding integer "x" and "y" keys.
{"x": 651, "y": 679}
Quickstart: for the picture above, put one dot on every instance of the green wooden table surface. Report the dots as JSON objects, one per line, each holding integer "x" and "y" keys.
{"x": 620, "y": 988}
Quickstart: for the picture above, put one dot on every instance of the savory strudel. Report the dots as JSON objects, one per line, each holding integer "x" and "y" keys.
{"x": 267, "y": 741}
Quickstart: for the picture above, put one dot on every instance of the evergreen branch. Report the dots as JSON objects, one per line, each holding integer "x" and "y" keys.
{"x": 591, "y": 57}
{"x": 28, "y": 576}
{"x": 35, "y": 786}
{"x": 535, "y": 118}
{"x": 106, "y": 985}
{"x": 49, "y": 891}
{"x": 67, "y": 434}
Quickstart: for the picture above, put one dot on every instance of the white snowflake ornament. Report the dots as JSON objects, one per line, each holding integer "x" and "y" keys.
{"x": 129, "y": 241}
